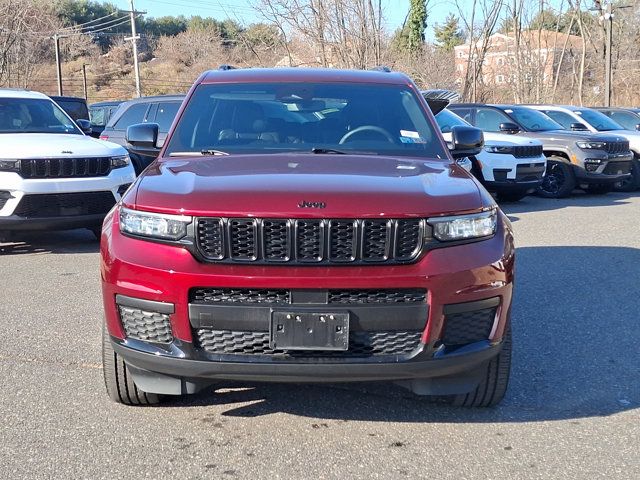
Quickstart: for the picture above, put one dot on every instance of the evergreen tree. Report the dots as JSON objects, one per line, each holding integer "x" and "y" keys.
{"x": 417, "y": 23}
{"x": 448, "y": 35}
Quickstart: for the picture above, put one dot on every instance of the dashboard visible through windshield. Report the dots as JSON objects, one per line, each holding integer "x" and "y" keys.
{"x": 311, "y": 117}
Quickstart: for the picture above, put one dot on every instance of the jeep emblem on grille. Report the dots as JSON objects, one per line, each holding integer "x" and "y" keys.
{"x": 305, "y": 204}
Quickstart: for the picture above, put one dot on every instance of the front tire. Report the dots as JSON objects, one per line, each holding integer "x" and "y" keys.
{"x": 493, "y": 386}
{"x": 558, "y": 181}
{"x": 119, "y": 383}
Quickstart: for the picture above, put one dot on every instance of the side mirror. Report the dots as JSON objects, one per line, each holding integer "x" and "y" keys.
{"x": 579, "y": 127}
{"x": 85, "y": 125}
{"x": 143, "y": 135}
{"x": 509, "y": 127}
{"x": 466, "y": 141}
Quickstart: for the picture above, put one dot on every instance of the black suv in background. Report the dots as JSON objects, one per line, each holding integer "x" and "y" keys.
{"x": 160, "y": 109}
{"x": 75, "y": 107}
{"x": 592, "y": 161}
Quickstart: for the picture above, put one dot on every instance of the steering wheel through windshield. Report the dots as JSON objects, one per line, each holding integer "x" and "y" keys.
{"x": 366, "y": 128}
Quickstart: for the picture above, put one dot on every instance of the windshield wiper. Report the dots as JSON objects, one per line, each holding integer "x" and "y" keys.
{"x": 201, "y": 152}
{"x": 327, "y": 150}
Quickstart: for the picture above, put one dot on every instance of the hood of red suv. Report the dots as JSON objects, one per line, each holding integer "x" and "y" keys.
{"x": 306, "y": 185}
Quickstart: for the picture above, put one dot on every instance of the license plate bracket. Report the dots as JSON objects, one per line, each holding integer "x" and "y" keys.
{"x": 291, "y": 330}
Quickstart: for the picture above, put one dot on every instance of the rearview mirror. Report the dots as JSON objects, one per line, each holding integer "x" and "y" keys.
{"x": 85, "y": 125}
{"x": 509, "y": 127}
{"x": 579, "y": 127}
{"x": 466, "y": 141}
{"x": 143, "y": 135}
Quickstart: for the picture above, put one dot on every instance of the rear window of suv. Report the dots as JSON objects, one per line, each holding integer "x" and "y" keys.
{"x": 293, "y": 117}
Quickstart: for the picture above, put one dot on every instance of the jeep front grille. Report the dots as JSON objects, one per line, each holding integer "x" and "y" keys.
{"x": 65, "y": 167}
{"x": 617, "y": 147}
{"x": 527, "y": 151}
{"x": 310, "y": 241}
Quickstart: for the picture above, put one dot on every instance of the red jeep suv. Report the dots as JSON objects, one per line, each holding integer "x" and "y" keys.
{"x": 306, "y": 225}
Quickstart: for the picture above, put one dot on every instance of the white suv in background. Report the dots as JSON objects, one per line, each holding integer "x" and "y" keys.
{"x": 511, "y": 167}
{"x": 52, "y": 176}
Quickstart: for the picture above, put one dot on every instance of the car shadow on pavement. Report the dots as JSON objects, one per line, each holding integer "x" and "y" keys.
{"x": 579, "y": 198}
{"x": 576, "y": 353}
{"x": 66, "y": 242}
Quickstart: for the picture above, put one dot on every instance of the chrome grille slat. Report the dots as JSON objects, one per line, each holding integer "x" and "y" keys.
{"x": 310, "y": 241}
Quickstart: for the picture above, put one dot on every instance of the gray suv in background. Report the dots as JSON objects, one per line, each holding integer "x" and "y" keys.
{"x": 160, "y": 109}
{"x": 592, "y": 161}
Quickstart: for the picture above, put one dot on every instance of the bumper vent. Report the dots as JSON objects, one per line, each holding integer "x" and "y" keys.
{"x": 145, "y": 325}
{"x": 530, "y": 173}
{"x": 65, "y": 167}
{"x": 361, "y": 344}
{"x": 310, "y": 241}
{"x": 65, "y": 204}
{"x": 213, "y": 296}
{"x": 468, "y": 327}
{"x": 617, "y": 168}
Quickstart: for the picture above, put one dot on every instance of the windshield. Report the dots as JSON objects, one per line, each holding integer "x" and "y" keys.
{"x": 629, "y": 120}
{"x": 294, "y": 117}
{"x": 532, "y": 120}
{"x": 598, "y": 120}
{"x": 34, "y": 115}
{"x": 447, "y": 119}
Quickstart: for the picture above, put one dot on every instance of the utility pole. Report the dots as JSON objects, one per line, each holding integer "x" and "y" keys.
{"x": 608, "y": 18}
{"x": 84, "y": 80}
{"x": 134, "y": 40}
{"x": 56, "y": 41}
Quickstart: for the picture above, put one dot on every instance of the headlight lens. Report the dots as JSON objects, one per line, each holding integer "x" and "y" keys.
{"x": 120, "y": 161}
{"x": 499, "y": 149}
{"x": 9, "y": 165}
{"x": 153, "y": 225}
{"x": 463, "y": 227}
{"x": 592, "y": 145}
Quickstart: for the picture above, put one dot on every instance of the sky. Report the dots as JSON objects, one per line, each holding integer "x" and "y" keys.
{"x": 395, "y": 11}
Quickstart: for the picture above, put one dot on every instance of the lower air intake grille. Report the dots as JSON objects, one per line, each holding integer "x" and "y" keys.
{"x": 237, "y": 295}
{"x": 617, "y": 168}
{"x": 144, "y": 325}
{"x": 361, "y": 344}
{"x": 468, "y": 327}
{"x": 377, "y": 296}
{"x": 65, "y": 204}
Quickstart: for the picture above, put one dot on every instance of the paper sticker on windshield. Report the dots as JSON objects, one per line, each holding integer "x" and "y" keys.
{"x": 409, "y": 136}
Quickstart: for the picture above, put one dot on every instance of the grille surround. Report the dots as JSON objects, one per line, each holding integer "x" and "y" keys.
{"x": 310, "y": 241}
{"x": 362, "y": 344}
{"x": 81, "y": 167}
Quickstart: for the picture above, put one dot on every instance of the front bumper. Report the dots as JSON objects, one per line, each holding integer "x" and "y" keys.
{"x": 17, "y": 192}
{"x": 159, "y": 277}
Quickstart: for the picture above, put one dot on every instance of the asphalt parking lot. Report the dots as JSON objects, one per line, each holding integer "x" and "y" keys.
{"x": 572, "y": 409}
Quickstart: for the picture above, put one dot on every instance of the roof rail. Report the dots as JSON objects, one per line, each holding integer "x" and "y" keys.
{"x": 382, "y": 68}
{"x": 226, "y": 67}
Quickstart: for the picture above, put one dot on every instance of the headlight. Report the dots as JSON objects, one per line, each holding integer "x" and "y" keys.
{"x": 499, "y": 149}
{"x": 463, "y": 227}
{"x": 9, "y": 165}
{"x": 592, "y": 145}
{"x": 153, "y": 225}
{"x": 120, "y": 161}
